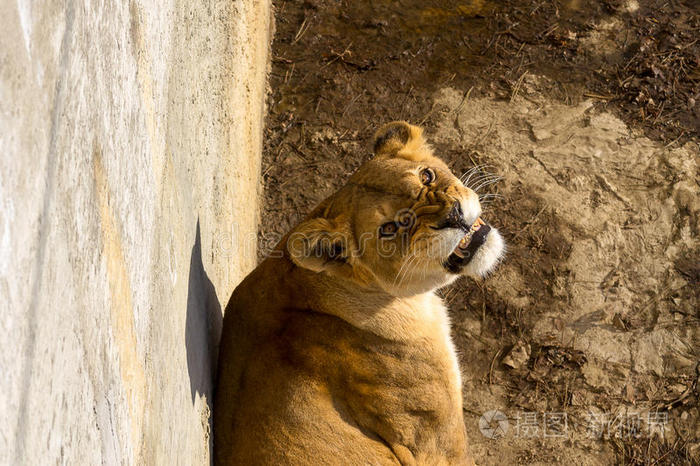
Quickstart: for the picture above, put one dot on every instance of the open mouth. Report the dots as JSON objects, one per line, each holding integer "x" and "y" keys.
{"x": 467, "y": 247}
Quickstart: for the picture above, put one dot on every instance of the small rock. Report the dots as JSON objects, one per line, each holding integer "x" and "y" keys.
{"x": 518, "y": 356}
{"x": 619, "y": 323}
{"x": 595, "y": 376}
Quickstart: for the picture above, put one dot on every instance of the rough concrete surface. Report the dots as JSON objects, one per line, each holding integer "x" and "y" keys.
{"x": 130, "y": 135}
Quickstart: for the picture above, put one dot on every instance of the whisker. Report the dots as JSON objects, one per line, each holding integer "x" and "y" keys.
{"x": 410, "y": 270}
{"x": 478, "y": 169}
{"x": 420, "y": 262}
{"x": 487, "y": 182}
{"x": 416, "y": 263}
{"x": 487, "y": 203}
{"x": 406, "y": 269}
{"x": 478, "y": 166}
{"x": 423, "y": 269}
{"x": 407, "y": 261}
{"x": 398, "y": 274}
{"x": 482, "y": 176}
{"x": 471, "y": 172}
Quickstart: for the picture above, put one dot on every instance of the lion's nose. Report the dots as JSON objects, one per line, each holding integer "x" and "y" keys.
{"x": 453, "y": 219}
{"x": 455, "y": 215}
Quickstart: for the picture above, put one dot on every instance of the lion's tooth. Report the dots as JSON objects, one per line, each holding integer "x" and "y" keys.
{"x": 477, "y": 224}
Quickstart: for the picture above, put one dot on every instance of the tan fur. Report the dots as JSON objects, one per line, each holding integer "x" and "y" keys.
{"x": 335, "y": 353}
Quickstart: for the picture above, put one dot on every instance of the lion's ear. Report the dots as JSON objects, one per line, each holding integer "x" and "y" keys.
{"x": 320, "y": 245}
{"x": 401, "y": 139}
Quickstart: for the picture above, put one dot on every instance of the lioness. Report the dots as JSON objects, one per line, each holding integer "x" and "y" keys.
{"x": 336, "y": 350}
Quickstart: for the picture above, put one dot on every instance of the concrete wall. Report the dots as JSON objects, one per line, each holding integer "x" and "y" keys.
{"x": 130, "y": 140}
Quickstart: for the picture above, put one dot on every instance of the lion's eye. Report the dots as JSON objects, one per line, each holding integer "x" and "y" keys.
{"x": 388, "y": 229}
{"x": 427, "y": 176}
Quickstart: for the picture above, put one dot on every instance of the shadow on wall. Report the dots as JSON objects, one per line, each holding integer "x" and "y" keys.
{"x": 203, "y": 326}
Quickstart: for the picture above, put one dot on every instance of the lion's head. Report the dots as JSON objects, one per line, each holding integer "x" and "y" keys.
{"x": 403, "y": 222}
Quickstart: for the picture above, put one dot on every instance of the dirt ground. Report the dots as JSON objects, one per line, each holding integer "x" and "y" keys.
{"x": 586, "y": 340}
